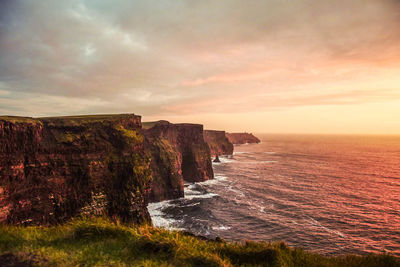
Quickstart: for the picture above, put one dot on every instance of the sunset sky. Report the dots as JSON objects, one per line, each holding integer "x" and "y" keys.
{"x": 285, "y": 66}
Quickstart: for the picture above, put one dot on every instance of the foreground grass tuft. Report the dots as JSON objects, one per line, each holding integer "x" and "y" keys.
{"x": 99, "y": 242}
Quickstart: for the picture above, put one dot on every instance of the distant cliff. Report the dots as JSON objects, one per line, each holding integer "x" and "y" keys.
{"x": 52, "y": 169}
{"x": 179, "y": 153}
{"x": 218, "y": 142}
{"x": 242, "y": 138}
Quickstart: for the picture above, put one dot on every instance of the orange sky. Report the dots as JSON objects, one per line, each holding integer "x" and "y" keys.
{"x": 278, "y": 66}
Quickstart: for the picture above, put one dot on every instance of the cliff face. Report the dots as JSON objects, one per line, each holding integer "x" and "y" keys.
{"x": 178, "y": 153}
{"x": 242, "y": 138}
{"x": 218, "y": 142}
{"x": 52, "y": 169}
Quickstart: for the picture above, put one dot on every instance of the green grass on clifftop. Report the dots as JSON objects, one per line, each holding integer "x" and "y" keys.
{"x": 98, "y": 242}
{"x": 16, "y": 119}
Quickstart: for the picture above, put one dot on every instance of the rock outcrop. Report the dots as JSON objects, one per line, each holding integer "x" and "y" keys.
{"x": 52, "y": 169}
{"x": 179, "y": 153}
{"x": 242, "y": 138}
{"x": 218, "y": 143}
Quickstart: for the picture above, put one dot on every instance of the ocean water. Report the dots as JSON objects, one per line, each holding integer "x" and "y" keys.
{"x": 328, "y": 194}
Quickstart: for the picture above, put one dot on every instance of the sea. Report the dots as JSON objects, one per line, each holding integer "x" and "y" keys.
{"x": 328, "y": 194}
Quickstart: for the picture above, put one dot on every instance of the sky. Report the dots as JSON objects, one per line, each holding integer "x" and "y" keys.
{"x": 272, "y": 66}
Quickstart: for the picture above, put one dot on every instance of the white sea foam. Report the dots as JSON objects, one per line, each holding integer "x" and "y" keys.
{"x": 316, "y": 223}
{"x": 221, "y": 228}
{"x": 191, "y": 191}
{"x": 195, "y": 190}
{"x": 224, "y": 159}
{"x": 257, "y": 162}
{"x": 220, "y": 177}
{"x": 158, "y": 216}
{"x": 217, "y": 179}
{"x": 240, "y": 152}
{"x": 207, "y": 195}
{"x": 237, "y": 192}
{"x": 192, "y": 204}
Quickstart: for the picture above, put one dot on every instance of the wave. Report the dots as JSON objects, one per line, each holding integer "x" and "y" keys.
{"x": 316, "y": 223}
{"x": 324, "y": 197}
{"x": 195, "y": 196}
{"x": 224, "y": 159}
{"x": 217, "y": 179}
{"x": 221, "y": 228}
{"x": 192, "y": 191}
{"x": 257, "y": 162}
{"x": 196, "y": 190}
{"x": 240, "y": 152}
{"x": 159, "y": 218}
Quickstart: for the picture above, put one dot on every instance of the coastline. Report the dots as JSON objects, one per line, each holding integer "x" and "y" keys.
{"x": 100, "y": 242}
{"x": 77, "y": 235}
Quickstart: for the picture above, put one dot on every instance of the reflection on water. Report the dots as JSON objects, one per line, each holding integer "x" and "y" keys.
{"x": 330, "y": 194}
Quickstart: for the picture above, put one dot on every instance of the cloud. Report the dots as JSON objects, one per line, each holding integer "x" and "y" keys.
{"x": 174, "y": 57}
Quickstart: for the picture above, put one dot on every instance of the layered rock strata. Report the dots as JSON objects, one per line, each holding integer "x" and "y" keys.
{"x": 52, "y": 169}
{"x": 179, "y": 153}
{"x": 242, "y": 138}
{"x": 218, "y": 143}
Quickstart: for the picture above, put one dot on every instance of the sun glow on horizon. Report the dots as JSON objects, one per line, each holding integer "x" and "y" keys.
{"x": 296, "y": 66}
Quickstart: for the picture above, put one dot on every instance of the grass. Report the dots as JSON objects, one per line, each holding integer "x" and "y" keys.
{"x": 16, "y": 119}
{"x": 91, "y": 118}
{"x": 99, "y": 242}
{"x": 83, "y": 119}
{"x": 151, "y": 124}
{"x": 134, "y": 135}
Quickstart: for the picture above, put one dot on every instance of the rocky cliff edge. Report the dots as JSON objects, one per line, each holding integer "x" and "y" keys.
{"x": 52, "y": 169}
{"x": 179, "y": 153}
{"x": 218, "y": 142}
{"x": 242, "y": 138}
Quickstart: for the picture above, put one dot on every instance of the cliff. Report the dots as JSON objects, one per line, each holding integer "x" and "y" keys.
{"x": 218, "y": 142}
{"x": 242, "y": 138}
{"x": 179, "y": 153}
{"x": 52, "y": 169}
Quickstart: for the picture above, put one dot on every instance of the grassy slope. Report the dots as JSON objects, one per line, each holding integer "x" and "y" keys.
{"x": 15, "y": 119}
{"x": 149, "y": 124}
{"x": 102, "y": 243}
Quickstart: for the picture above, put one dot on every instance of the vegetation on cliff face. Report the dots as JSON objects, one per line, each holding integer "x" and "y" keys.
{"x": 165, "y": 165}
{"x": 55, "y": 168}
{"x": 16, "y": 119}
{"x": 218, "y": 142}
{"x": 52, "y": 169}
{"x": 127, "y": 187}
{"x": 178, "y": 153}
{"x": 99, "y": 242}
{"x": 242, "y": 138}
